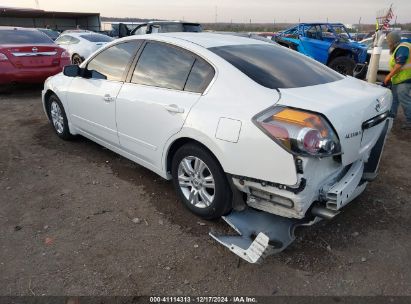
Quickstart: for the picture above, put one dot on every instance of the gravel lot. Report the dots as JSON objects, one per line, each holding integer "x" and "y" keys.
{"x": 77, "y": 219}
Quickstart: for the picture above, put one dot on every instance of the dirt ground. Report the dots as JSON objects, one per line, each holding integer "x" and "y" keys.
{"x": 77, "y": 219}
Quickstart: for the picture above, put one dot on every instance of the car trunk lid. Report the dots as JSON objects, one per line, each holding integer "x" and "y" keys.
{"x": 350, "y": 106}
{"x": 32, "y": 56}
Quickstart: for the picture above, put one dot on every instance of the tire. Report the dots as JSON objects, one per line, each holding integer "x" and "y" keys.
{"x": 194, "y": 170}
{"x": 343, "y": 65}
{"x": 76, "y": 59}
{"x": 58, "y": 117}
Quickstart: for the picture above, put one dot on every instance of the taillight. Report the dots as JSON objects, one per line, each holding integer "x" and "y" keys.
{"x": 65, "y": 54}
{"x": 299, "y": 132}
{"x": 3, "y": 57}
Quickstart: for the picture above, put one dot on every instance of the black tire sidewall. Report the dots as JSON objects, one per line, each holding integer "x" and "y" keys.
{"x": 346, "y": 61}
{"x": 223, "y": 197}
{"x": 66, "y": 131}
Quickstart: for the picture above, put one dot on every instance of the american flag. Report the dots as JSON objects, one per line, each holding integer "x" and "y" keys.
{"x": 385, "y": 16}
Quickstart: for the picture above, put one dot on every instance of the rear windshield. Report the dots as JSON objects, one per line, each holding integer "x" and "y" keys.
{"x": 96, "y": 38}
{"x": 23, "y": 37}
{"x": 276, "y": 67}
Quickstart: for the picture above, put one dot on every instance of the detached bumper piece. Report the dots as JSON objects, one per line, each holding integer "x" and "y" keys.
{"x": 260, "y": 234}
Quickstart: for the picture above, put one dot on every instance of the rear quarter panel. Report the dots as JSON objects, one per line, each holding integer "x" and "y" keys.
{"x": 235, "y": 96}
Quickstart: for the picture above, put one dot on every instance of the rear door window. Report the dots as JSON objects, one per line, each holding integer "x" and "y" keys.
{"x": 164, "y": 66}
{"x": 97, "y": 38}
{"x": 114, "y": 61}
{"x": 63, "y": 40}
{"x": 24, "y": 37}
{"x": 200, "y": 76}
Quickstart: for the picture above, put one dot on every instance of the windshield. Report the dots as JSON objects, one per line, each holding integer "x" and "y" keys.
{"x": 97, "y": 38}
{"x": 341, "y": 32}
{"x": 24, "y": 37}
{"x": 276, "y": 67}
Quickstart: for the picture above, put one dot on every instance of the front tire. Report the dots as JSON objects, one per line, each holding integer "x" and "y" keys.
{"x": 58, "y": 117}
{"x": 343, "y": 65}
{"x": 200, "y": 182}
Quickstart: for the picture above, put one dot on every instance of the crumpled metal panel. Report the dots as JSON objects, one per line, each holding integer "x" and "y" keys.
{"x": 260, "y": 234}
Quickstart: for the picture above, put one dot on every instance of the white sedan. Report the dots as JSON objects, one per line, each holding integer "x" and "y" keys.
{"x": 231, "y": 120}
{"x": 80, "y": 44}
{"x": 384, "y": 65}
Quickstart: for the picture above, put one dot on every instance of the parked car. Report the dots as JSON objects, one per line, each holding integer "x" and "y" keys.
{"x": 227, "y": 118}
{"x": 80, "y": 43}
{"x": 49, "y": 32}
{"x": 28, "y": 56}
{"x": 384, "y": 65}
{"x": 328, "y": 43}
{"x": 158, "y": 27}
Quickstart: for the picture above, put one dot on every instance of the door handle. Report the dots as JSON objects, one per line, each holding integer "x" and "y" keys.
{"x": 172, "y": 108}
{"x": 108, "y": 98}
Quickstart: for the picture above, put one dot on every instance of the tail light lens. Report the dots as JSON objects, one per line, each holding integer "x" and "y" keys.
{"x": 3, "y": 57}
{"x": 299, "y": 132}
{"x": 65, "y": 54}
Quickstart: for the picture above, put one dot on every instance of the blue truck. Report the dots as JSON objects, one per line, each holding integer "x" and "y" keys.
{"x": 328, "y": 43}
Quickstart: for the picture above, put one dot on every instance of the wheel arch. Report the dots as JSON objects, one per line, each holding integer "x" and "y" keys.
{"x": 339, "y": 52}
{"x": 47, "y": 95}
{"x": 176, "y": 143}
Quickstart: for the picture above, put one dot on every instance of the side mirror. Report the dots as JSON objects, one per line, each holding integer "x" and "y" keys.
{"x": 71, "y": 70}
{"x": 97, "y": 75}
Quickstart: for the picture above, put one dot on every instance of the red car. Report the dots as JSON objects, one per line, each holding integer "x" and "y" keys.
{"x": 28, "y": 56}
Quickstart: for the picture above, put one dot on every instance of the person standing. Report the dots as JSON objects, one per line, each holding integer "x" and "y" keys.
{"x": 400, "y": 76}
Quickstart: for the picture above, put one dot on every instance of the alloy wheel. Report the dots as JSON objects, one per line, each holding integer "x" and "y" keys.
{"x": 196, "y": 182}
{"x": 57, "y": 117}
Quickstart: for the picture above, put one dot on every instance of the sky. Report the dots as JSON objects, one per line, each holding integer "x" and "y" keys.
{"x": 279, "y": 11}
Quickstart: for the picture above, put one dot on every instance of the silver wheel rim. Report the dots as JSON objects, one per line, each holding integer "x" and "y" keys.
{"x": 57, "y": 117}
{"x": 196, "y": 182}
{"x": 77, "y": 60}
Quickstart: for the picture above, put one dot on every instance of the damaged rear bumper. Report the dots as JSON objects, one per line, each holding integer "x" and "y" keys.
{"x": 324, "y": 182}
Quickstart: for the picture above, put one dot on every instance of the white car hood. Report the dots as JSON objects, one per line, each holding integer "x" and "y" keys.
{"x": 346, "y": 104}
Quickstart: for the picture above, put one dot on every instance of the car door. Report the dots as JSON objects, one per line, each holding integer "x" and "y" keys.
{"x": 92, "y": 102}
{"x": 313, "y": 44}
{"x": 155, "y": 103}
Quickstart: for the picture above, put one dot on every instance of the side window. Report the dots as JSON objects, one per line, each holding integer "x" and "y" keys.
{"x": 113, "y": 61}
{"x": 63, "y": 40}
{"x": 161, "y": 65}
{"x": 74, "y": 40}
{"x": 200, "y": 76}
{"x": 313, "y": 33}
{"x": 326, "y": 32}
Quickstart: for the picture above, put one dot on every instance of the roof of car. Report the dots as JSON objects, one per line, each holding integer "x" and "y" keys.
{"x": 209, "y": 40}
{"x": 80, "y": 33}
{"x": 17, "y": 28}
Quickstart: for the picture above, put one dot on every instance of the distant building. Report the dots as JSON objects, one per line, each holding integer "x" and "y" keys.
{"x": 36, "y": 18}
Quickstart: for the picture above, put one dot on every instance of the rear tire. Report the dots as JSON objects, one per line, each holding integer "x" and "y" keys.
{"x": 76, "y": 59}
{"x": 343, "y": 65}
{"x": 200, "y": 182}
{"x": 58, "y": 117}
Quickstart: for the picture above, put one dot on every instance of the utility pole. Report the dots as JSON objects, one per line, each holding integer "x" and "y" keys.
{"x": 383, "y": 20}
{"x": 216, "y": 14}
{"x": 37, "y": 4}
